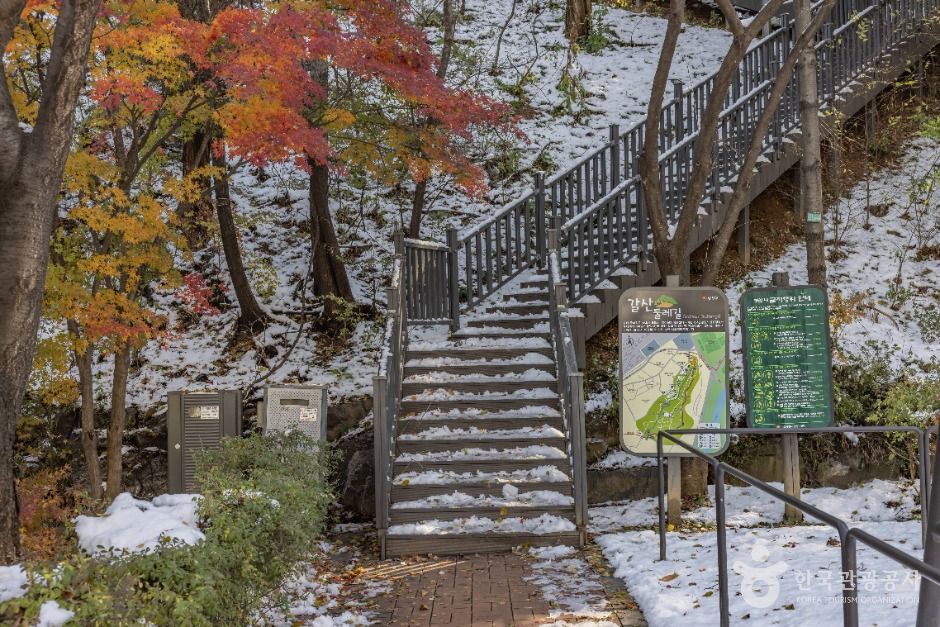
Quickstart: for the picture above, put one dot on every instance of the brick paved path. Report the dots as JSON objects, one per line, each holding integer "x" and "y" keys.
{"x": 488, "y": 590}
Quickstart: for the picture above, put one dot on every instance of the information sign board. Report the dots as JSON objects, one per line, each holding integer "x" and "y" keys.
{"x": 787, "y": 357}
{"x": 673, "y": 367}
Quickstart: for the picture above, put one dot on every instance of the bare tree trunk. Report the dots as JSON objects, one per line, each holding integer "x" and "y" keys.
{"x": 417, "y": 209}
{"x": 494, "y": 68}
{"x": 746, "y": 174}
{"x": 667, "y": 255}
{"x": 329, "y": 271}
{"x": 811, "y": 190}
{"x": 122, "y": 359}
{"x": 671, "y": 247}
{"x": 577, "y": 19}
{"x": 252, "y": 318}
{"x": 447, "y": 47}
{"x": 31, "y": 167}
{"x": 83, "y": 362}
{"x": 195, "y": 154}
{"x": 449, "y": 24}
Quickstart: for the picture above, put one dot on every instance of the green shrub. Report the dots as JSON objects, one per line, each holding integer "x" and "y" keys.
{"x": 264, "y": 505}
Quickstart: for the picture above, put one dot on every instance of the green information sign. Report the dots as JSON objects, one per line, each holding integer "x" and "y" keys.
{"x": 673, "y": 367}
{"x": 787, "y": 358}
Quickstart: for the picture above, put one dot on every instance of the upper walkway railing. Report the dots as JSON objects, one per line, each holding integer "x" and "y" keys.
{"x": 599, "y": 200}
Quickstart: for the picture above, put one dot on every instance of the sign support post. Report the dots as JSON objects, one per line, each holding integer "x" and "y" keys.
{"x": 674, "y": 490}
{"x": 673, "y": 463}
{"x": 791, "y": 444}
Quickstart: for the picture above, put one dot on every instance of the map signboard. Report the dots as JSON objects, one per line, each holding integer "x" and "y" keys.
{"x": 673, "y": 367}
{"x": 787, "y": 359}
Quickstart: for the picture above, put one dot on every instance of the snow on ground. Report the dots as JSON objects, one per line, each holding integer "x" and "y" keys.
{"x": 784, "y": 576}
{"x": 571, "y": 584}
{"x": 134, "y": 525}
{"x": 617, "y": 459}
{"x": 802, "y": 560}
{"x": 327, "y": 594}
{"x": 615, "y": 79}
{"x": 51, "y": 614}
{"x": 875, "y": 501}
{"x": 272, "y": 207}
{"x": 13, "y": 582}
{"x": 880, "y": 262}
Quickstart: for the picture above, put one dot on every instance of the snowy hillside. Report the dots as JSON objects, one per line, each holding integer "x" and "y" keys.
{"x": 272, "y": 207}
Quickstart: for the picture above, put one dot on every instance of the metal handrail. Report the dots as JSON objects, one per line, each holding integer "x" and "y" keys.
{"x": 848, "y": 536}
{"x": 386, "y": 394}
{"x": 513, "y": 238}
{"x": 570, "y": 382}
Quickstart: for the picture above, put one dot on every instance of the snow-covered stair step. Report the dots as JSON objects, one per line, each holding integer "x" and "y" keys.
{"x": 532, "y": 322}
{"x": 537, "y": 331}
{"x": 449, "y": 439}
{"x": 529, "y": 308}
{"x": 533, "y": 282}
{"x": 532, "y": 416}
{"x": 509, "y": 504}
{"x": 445, "y": 399}
{"x": 507, "y": 456}
{"x": 477, "y": 348}
{"x": 476, "y": 384}
{"x": 532, "y": 294}
{"x": 418, "y": 484}
{"x": 477, "y": 534}
{"x": 399, "y": 516}
{"x": 486, "y": 367}
{"x": 474, "y": 432}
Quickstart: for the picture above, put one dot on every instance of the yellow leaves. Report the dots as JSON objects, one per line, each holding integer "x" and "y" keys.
{"x": 26, "y": 108}
{"x": 338, "y": 119}
{"x": 108, "y": 249}
{"x": 51, "y": 373}
{"x": 189, "y": 189}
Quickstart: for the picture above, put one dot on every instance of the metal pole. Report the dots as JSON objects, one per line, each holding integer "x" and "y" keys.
{"x": 675, "y": 462}
{"x": 540, "y": 242}
{"x": 849, "y": 575}
{"x": 724, "y": 602}
{"x": 614, "y": 131}
{"x": 453, "y": 279}
{"x": 928, "y": 609}
{"x": 661, "y": 483}
{"x": 923, "y": 469}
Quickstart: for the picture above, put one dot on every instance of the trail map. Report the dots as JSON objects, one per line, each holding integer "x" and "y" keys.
{"x": 673, "y": 379}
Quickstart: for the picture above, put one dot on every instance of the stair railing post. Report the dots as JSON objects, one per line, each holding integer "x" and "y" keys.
{"x": 576, "y": 406}
{"x": 540, "y": 218}
{"x": 453, "y": 279}
{"x": 677, "y": 92}
{"x": 829, "y": 68}
{"x": 380, "y": 445}
{"x": 614, "y": 131}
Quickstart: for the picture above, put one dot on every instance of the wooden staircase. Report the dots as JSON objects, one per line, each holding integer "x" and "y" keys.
{"x": 479, "y": 432}
{"x": 481, "y": 458}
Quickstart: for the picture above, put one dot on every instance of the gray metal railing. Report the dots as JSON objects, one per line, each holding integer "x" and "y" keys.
{"x": 430, "y": 278}
{"x": 513, "y": 239}
{"x": 849, "y": 537}
{"x": 570, "y": 381}
{"x": 599, "y": 203}
{"x": 386, "y": 395}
